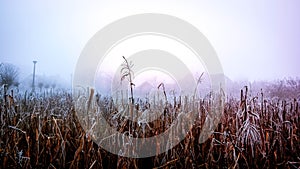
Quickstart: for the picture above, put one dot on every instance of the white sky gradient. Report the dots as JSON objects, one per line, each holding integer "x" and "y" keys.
{"x": 145, "y": 42}
{"x": 254, "y": 40}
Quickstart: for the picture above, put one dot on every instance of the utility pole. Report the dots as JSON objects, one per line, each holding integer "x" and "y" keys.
{"x": 33, "y": 78}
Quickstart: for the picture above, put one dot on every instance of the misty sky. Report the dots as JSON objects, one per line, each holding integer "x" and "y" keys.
{"x": 254, "y": 40}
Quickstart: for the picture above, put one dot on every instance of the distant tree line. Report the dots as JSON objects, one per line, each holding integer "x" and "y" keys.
{"x": 286, "y": 88}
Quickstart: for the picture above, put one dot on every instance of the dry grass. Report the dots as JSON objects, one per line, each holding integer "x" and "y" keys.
{"x": 45, "y": 132}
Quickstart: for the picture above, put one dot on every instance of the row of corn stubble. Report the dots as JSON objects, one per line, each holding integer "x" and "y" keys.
{"x": 44, "y": 131}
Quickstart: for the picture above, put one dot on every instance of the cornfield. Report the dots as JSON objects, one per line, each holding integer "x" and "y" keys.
{"x": 46, "y": 131}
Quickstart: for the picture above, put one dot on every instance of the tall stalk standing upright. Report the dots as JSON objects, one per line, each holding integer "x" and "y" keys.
{"x": 126, "y": 71}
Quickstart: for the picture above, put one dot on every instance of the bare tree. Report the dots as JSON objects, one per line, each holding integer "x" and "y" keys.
{"x": 8, "y": 74}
